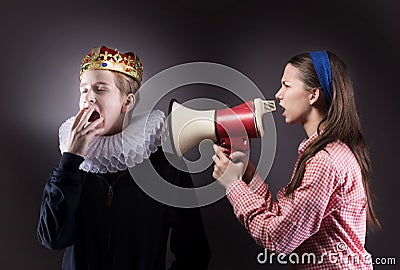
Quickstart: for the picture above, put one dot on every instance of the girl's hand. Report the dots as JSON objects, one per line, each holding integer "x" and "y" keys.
{"x": 82, "y": 132}
{"x": 228, "y": 169}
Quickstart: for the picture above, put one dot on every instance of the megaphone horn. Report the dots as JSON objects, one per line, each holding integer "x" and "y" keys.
{"x": 230, "y": 127}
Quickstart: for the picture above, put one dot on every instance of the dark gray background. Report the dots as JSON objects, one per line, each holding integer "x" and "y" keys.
{"x": 42, "y": 43}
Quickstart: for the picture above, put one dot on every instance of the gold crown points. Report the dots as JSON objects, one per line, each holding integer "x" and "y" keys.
{"x": 128, "y": 64}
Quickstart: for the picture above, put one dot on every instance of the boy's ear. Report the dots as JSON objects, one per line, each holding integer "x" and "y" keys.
{"x": 129, "y": 103}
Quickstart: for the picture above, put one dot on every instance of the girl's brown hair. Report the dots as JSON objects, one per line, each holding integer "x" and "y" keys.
{"x": 341, "y": 123}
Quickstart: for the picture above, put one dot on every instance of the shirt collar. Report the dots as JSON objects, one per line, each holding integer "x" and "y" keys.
{"x": 306, "y": 142}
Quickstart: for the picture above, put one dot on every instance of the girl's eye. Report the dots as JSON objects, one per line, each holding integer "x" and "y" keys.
{"x": 84, "y": 91}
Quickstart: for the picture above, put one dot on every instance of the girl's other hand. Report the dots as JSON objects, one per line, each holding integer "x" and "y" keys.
{"x": 82, "y": 131}
{"x": 227, "y": 170}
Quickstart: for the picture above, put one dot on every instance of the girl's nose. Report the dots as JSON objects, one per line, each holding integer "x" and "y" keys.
{"x": 278, "y": 94}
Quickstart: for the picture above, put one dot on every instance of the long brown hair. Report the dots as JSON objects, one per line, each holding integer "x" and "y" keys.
{"x": 341, "y": 123}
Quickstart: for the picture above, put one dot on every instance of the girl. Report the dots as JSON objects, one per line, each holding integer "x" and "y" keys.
{"x": 91, "y": 205}
{"x": 325, "y": 208}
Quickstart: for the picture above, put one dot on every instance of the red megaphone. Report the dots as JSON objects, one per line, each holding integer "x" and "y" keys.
{"x": 230, "y": 127}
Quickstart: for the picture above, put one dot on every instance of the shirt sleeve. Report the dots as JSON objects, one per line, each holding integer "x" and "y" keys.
{"x": 283, "y": 225}
{"x": 188, "y": 241}
{"x": 60, "y": 200}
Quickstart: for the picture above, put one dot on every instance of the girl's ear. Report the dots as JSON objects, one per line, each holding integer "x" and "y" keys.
{"x": 314, "y": 96}
{"x": 129, "y": 103}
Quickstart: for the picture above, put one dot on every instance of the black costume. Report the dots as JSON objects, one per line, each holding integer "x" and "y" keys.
{"x": 107, "y": 222}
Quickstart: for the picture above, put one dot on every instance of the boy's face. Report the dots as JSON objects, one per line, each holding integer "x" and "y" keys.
{"x": 98, "y": 88}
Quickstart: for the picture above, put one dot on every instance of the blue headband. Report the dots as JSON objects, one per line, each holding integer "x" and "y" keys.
{"x": 322, "y": 67}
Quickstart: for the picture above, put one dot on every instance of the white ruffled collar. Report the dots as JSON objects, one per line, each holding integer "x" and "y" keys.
{"x": 122, "y": 150}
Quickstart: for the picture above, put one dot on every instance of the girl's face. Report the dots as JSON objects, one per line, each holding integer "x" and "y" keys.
{"x": 293, "y": 97}
{"x": 98, "y": 88}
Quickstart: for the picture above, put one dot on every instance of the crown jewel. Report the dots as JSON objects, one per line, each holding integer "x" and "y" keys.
{"x": 103, "y": 58}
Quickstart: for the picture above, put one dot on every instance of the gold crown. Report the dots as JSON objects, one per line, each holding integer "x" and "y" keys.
{"x": 103, "y": 58}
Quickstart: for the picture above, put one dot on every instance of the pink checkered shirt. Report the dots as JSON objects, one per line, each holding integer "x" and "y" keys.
{"x": 322, "y": 224}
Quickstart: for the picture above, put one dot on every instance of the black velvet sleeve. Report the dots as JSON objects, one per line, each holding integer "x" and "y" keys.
{"x": 188, "y": 241}
{"x": 60, "y": 200}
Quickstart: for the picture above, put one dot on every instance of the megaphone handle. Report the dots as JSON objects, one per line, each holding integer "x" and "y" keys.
{"x": 235, "y": 143}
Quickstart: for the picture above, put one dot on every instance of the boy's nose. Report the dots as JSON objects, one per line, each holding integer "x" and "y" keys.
{"x": 90, "y": 98}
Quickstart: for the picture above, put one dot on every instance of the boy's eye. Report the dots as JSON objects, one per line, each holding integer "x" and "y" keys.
{"x": 101, "y": 89}
{"x": 84, "y": 91}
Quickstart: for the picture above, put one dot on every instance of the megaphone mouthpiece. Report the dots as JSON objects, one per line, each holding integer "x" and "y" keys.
{"x": 262, "y": 107}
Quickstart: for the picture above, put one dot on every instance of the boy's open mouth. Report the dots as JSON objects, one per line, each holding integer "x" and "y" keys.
{"x": 95, "y": 115}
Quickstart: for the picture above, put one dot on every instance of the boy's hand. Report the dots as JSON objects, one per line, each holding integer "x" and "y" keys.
{"x": 82, "y": 132}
